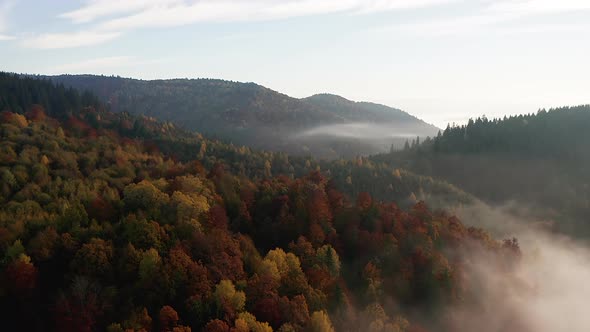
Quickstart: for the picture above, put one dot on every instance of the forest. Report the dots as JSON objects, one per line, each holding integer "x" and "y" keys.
{"x": 120, "y": 222}
{"x": 252, "y": 115}
{"x": 537, "y": 160}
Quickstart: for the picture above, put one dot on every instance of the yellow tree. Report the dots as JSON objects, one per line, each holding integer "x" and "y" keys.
{"x": 320, "y": 322}
{"x": 228, "y": 299}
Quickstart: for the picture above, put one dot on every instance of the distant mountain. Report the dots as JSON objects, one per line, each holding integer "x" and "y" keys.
{"x": 250, "y": 114}
{"x": 364, "y": 111}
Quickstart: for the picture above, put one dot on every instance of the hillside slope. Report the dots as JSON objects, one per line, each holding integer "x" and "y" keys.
{"x": 540, "y": 161}
{"x": 250, "y": 114}
{"x": 103, "y": 228}
{"x": 366, "y": 112}
{"x": 353, "y": 176}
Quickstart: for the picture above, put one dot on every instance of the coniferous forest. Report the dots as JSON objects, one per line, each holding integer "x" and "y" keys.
{"x": 119, "y": 222}
{"x": 538, "y": 160}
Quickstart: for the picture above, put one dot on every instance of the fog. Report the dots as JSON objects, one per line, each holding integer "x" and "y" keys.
{"x": 349, "y": 140}
{"x": 546, "y": 291}
{"x": 360, "y": 130}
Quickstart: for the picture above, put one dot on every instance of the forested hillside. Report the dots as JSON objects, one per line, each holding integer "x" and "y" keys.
{"x": 367, "y": 112}
{"x": 252, "y": 115}
{"x": 106, "y": 224}
{"x": 17, "y": 94}
{"x": 351, "y": 176}
{"x": 538, "y": 160}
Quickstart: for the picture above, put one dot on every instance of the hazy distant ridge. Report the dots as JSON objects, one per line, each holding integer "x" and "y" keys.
{"x": 250, "y": 114}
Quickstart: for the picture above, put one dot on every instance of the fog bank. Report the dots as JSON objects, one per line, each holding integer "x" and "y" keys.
{"x": 362, "y": 130}
{"x": 546, "y": 291}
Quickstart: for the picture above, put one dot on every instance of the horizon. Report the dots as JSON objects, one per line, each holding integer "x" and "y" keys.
{"x": 440, "y": 127}
{"x": 443, "y": 61}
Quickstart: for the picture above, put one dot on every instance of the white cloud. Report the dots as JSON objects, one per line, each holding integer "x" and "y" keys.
{"x": 377, "y": 6}
{"x": 120, "y": 16}
{"x": 69, "y": 40}
{"x": 6, "y": 37}
{"x": 540, "y": 6}
{"x": 159, "y": 13}
{"x": 493, "y": 14}
{"x": 450, "y": 26}
{"x": 95, "y": 9}
{"x": 127, "y": 15}
{"x": 548, "y": 28}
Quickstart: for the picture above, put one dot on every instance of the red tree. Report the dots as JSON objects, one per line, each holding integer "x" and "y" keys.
{"x": 168, "y": 318}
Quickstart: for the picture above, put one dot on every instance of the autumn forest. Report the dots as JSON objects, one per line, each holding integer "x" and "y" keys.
{"x": 115, "y": 220}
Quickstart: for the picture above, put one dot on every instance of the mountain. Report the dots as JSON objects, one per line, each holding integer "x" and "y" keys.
{"x": 352, "y": 176}
{"x": 366, "y": 112}
{"x": 537, "y": 161}
{"x": 246, "y": 113}
{"x": 58, "y": 101}
{"x": 105, "y": 226}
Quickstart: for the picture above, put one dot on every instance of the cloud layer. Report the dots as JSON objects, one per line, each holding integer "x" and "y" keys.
{"x": 105, "y": 20}
{"x": 501, "y": 16}
{"x": 179, "y": 12}
{"x": 69, "y": 40}
{"x": 104, "y": 8}
{"x": 111, "y": 19}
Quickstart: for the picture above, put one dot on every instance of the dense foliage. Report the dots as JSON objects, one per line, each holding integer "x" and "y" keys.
{"x": 18, "y": 93}
{"x": 351, "y": 176}
{"x": 537, "y": 159}
{"x": 104, "y": 227}
{"x": 248, "y": 113}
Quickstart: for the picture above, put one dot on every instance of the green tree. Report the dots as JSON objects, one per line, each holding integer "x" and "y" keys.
{"x": 149, "y": 264}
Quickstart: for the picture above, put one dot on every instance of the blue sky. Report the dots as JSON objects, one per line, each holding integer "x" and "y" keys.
{"x": 441, "y": 60}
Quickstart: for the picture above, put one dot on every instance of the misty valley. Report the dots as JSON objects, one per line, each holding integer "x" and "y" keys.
{"x": 209, "y": 205}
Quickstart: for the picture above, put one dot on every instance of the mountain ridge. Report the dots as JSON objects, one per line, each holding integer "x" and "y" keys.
{"x": 253, "y": 114}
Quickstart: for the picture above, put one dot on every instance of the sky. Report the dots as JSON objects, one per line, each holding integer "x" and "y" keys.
{"x": 444, "y": 61}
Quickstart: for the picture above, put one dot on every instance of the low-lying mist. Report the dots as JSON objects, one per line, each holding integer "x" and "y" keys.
{"x": 547, "y": 290}
{"x": 362, "y": 130}
{"x": 348, "y": 140}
